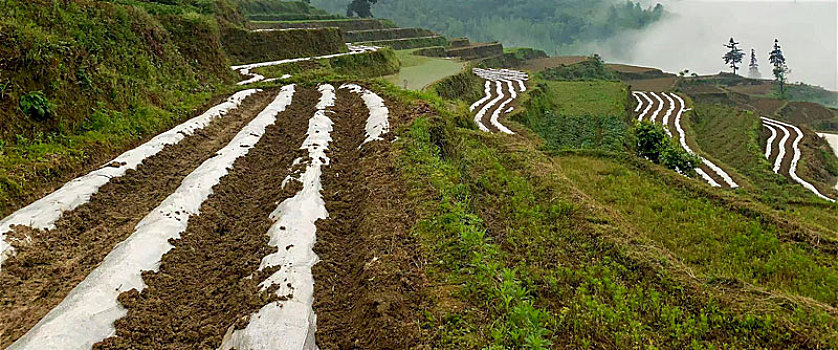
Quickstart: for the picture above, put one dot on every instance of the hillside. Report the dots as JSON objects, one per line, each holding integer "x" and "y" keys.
{"x": 260, "y": 174}
{"x": 542, "y": 24}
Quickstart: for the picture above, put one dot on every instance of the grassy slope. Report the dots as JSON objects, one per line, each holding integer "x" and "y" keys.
{"x": 74, "y": 52}
{"x": 600, "y": 251}
{"x": 574, "y": 115}
{"x": 359, "y": 66}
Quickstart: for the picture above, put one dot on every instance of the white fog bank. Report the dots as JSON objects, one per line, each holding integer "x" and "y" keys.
{"x": 691, "y": 37}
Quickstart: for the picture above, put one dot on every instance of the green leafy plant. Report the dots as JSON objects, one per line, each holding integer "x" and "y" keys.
{"x": 36, "y": 106}
{"x": 654, "y": 145}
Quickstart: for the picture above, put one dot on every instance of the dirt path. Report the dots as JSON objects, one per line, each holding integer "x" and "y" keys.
{"x": 42, "y": 272}
{"x": 202, "y": 287}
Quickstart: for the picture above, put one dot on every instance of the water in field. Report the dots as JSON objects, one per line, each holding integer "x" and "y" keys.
{"x": 692, "y": 37}
{"x": 417, "y": 72}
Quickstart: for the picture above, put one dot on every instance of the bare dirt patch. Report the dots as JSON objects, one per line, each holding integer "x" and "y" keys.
{"x": 43, "y": 271}
{"x": 208, "y": 282}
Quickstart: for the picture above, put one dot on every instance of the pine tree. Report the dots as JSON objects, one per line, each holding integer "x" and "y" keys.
{"x": 734, "y": 56}
{"x": 780, "y": 69}
{"x": 753, "y": 67}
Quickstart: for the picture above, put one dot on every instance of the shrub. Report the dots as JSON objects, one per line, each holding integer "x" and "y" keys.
{"x": 591, "y": 69}
{"x": 36, "y": 106}
{"x": 654, "y": 145}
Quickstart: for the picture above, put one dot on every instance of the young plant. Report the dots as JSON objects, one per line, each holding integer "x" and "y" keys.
{"x": 36, "y": 106}
{"x": 654, "y": 145}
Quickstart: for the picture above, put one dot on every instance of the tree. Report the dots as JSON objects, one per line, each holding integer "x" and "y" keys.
{"x": 779, "y": 62}
{"x": 734, "y": 56}
{"x": 753, "y": 68}
{"x": 362, "y": 8}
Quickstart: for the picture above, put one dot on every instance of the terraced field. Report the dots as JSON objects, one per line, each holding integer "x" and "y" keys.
{"x": 184, "y": 234}
{"x": 502, "y": 87}
{"x": 650, "y": 106}
{"x": 783, "y": 150}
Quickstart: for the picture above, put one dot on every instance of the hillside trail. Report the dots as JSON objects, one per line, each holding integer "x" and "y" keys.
{"x": 205, "y": 240}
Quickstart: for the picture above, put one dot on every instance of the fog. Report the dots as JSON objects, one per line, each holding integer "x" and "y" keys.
{"x": 691, "y": 37}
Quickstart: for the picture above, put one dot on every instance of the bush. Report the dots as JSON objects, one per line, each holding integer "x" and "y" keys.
{"x": 655, "y": 145}
{"x": 591, "y": 69}
{"x": 36, "y": 106}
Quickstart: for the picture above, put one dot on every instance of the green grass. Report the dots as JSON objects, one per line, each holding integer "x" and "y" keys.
{"x": 75, "y": 53}
{"x": 518, "y": 260}
{"x": 710, "y": 239}
{"x": 574, "y": 115}
{"x": 418, "y": 72}
{"x": 358, "y": 66}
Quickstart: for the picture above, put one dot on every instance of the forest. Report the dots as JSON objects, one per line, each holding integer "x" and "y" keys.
{"x": 551, "y": 25}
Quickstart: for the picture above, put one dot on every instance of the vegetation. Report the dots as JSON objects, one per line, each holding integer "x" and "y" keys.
{"x": 581, "y": 251}
{"x": 562, "y": 236}
{"x": 578, "y": 115}
{"x": 542, "y": 24}
{"x": 360, "y": 8}
{"x": 753, "y": 67}
{"x": 655, "y": 145}
{"x": 734, "y": 56}
{"x": 364, "y": 65}
{"x": 36, "y": 106}
{"x": 70, "y": 96}
{"x": 409, "y": 43}
{"x": 513, "y": 57}
{"x": 776, "y": 58}
{"x": 246, "y": 46}
{"x": 281, "y": 10}
{"x": 591, "y": 69}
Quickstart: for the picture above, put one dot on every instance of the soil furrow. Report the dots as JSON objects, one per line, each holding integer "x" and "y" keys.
{"x": 707, "y": 172}
{"x": 367, "y": 283}
{"x": 205, "y": 284}
{"x": 770, "y": 148}
{"x": 41, "y": 274}
{"x": 487, "y": 96}
{"x": 785, "y": 165}
{"x": 482, "y": 116}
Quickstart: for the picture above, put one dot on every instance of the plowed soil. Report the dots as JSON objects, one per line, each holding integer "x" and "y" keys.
{"x": 43, "y": 271}
{"x": 674, "y": 130}
{"x": 203, "y": 285}
{"x": 486, "y": 117}
{"x": 367, "y": 286}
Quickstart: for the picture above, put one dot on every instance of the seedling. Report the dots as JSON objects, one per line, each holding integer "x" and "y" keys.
{"x": 36, "y": 106}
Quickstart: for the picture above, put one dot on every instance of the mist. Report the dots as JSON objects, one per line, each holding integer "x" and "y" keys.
{"x": 692, "y": 34}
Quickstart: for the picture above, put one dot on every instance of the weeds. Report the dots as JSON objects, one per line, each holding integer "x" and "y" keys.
{"x": 654, "y": 145}
{"x": 36, "y": 106}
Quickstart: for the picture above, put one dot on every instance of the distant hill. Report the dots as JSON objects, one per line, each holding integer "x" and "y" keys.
{"x": 543, "y": 24}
